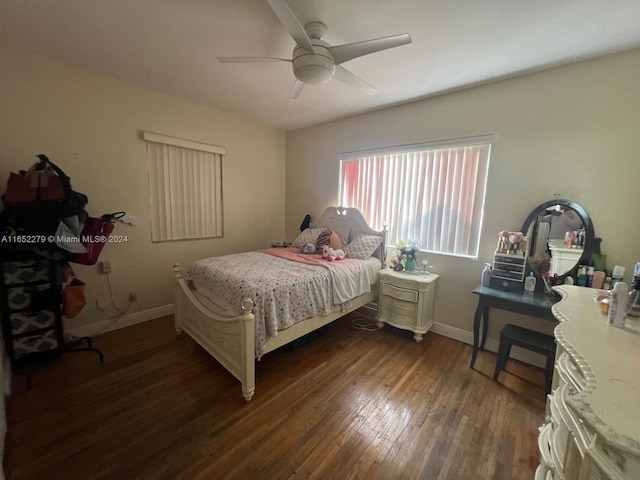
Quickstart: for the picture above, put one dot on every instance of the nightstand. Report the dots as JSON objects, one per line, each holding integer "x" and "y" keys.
{"x": 406, "y": 301}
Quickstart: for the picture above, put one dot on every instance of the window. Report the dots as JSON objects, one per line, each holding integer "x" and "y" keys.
{"x": 431, "y": 193}
{"x": 185, "y": 183}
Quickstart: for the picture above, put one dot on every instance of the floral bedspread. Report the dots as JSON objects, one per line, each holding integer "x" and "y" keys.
{"x": 284, "y": 291}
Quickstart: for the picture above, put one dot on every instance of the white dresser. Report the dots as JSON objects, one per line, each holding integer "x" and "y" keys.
{"x": 592, "y": 426}
{"x": 406, "y": 301}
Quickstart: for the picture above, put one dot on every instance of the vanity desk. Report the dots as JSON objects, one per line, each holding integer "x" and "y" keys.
{"x": 534, "y": 304}
{"x": 592, "y": 426}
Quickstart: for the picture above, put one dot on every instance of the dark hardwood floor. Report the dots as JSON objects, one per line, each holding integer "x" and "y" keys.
{"x": 351, "y": 404}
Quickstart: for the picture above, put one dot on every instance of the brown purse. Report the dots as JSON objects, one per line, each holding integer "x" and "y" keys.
{"x": 73, "y": 297}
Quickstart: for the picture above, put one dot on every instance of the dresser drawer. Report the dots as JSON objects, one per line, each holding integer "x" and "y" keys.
{"x": 544, "y": 445}
{"x": 25, "y": 321}
{"x": 35, "y": 343}
{"x": 33, "y": 297}
{"x": 570, "y": 373}
{"x": 399, "y": 293}
{"x": 26, "y": 271}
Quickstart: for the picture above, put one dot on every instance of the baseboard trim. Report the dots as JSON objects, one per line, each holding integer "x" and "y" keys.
{"x": 492, "y": 345}
{"x": 454, "y": 333}
{"x": 93, "y": 329}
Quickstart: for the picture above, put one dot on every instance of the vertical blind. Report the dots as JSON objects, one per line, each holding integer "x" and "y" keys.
{"x": 186, "y": 192}
{"x": 432, "y": 196}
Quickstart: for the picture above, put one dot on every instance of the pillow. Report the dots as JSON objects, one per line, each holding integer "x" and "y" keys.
{"x": 330, "y": 238}
{"x": 362, "y": 246}
{"x": 323, "y": 239}
{"x": 309, "y": 235}
{"x": 343, "y": 232}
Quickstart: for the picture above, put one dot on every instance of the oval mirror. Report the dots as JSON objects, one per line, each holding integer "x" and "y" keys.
{"x": 561, "y": 237}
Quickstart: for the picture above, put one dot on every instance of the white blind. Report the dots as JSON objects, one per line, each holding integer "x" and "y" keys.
{"x": 434, "y": 197}
{"x": 186, "y": 192}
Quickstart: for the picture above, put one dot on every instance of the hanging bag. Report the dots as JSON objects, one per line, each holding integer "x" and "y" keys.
{"x": 37, "y": 200}
{"x": 73, "y": 296}
{"x": 94, "y": 236}
{"x": 38, "y": 183}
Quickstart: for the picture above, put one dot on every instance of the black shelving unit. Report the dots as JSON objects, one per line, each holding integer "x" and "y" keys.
{"x": 30, "y": 310}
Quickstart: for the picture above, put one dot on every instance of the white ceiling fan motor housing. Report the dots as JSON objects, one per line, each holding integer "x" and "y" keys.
{"x": 315, "y": 67}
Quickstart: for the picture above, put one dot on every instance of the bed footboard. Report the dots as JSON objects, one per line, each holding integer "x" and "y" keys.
{"x": 229, "y": 338}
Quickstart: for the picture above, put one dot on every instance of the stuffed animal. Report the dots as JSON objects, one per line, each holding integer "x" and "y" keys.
{"x": 331, "y": 254}
{"x": 308, "y": 248}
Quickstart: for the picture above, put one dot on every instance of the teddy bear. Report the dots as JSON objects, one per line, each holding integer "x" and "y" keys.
{"x": 331, "y": 254}
{"x": 308, "y": 248}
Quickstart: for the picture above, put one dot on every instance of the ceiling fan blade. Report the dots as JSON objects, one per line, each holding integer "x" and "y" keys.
{"x": 251, "y": 59}
{"x": 345, "y": 76}
{"x": 288, "y": 19}
{"x": 344, "y": 53}
{"x": 296, "y": 88}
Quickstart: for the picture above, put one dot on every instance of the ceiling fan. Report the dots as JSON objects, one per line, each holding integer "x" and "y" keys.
{"x": 314, "y": 60}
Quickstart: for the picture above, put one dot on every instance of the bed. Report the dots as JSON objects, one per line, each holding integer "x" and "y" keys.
{"x": 239, "y": 307}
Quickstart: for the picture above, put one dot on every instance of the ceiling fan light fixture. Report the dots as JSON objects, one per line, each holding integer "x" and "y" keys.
{"x": 313, "y": 69}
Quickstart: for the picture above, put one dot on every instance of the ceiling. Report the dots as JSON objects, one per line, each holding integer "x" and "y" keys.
{"x": 171, "y": 46}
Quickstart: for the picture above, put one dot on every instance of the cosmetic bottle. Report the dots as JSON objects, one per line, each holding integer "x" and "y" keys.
{"x": 582, "y": 276}
{"x": 530, "y": 282}
{"x": 486, "y": 275}
{"x": 618, "y": 304}
{"x": 590, "y": 271}
{"x": 634, "y": 294}
{"x": 617, "y": 275}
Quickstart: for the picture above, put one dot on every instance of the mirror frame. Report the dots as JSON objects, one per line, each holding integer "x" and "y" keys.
{"x": 590, "y": 237}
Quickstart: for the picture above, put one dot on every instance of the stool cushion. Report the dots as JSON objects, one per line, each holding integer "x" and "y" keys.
{"x": 530, "y": 339}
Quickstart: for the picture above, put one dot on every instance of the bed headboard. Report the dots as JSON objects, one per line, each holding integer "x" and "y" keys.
{"x": 352, "y": 218}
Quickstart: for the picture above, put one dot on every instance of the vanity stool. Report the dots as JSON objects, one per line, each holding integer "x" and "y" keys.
{"x": 524, "y": 338}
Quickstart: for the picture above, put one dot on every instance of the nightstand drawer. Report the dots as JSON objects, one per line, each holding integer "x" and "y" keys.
{"x": 400, "y": 293}
{"x": 402, "y": 314}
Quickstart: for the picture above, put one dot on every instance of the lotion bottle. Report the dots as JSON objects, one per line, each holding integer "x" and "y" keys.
{"x": 530, "y": 282}
{"x": 486, "y": 275}
{"x": 618, "y": 304}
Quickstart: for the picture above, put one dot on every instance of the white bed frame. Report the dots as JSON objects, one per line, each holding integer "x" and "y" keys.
{"x": 230, "y": 336}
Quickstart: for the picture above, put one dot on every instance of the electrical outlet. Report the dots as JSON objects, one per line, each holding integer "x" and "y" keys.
{"x": 105, "y": 266}
{"x": 133, "y": 297}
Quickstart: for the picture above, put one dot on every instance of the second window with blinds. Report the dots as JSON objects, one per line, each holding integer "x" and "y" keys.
{"x": 432, "y": 193}
{"x": 185, "y": 183}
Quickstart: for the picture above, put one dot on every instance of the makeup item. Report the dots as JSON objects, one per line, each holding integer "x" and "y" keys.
{"x": 582, "y": 276}
{"x": 634, "y": 294}
{"x": 607, "y": 283}
{"x": 598, "y": 280}
{"x": 486, "y": 275}
{"x": 530, "y": 283}
{"x": 618, "y": 304}
{"x": 589, "y": 276}
{"x": 617, "y": 275}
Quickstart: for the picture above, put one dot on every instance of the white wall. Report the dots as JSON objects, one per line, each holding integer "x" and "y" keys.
{"x": 90, "y": 126}
{"x": 571, "y": 132}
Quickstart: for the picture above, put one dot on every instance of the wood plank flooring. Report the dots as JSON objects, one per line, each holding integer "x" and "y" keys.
{"x": 352, "y": 404}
